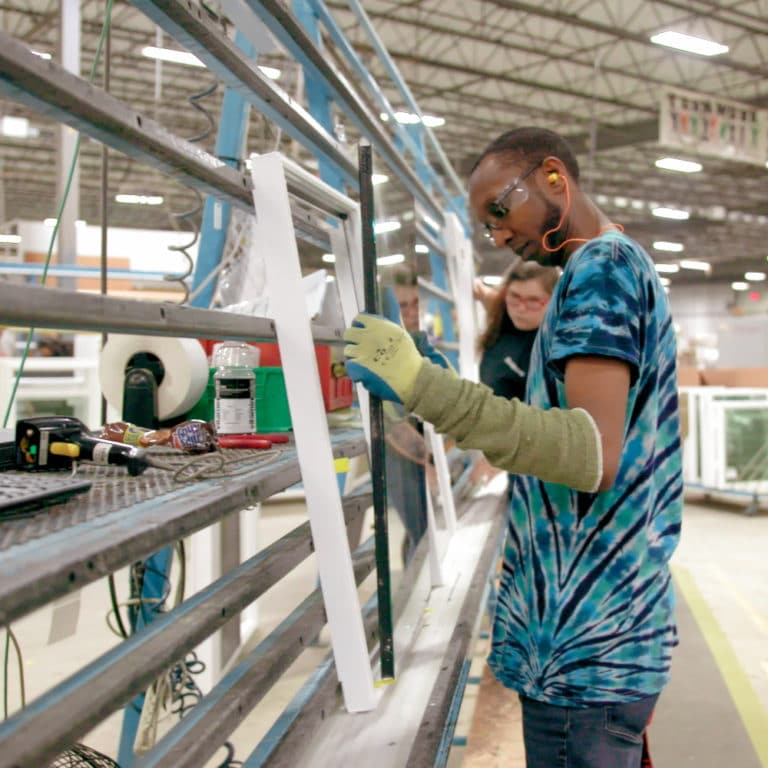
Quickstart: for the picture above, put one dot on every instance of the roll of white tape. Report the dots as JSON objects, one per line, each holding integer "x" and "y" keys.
{"x": 184, "y": 360}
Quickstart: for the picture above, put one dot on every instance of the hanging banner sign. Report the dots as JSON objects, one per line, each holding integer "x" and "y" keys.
{"x": 713, "y": 126}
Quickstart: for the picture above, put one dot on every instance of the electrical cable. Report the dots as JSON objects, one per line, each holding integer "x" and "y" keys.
{"x": 62, "y": 203}
{"x": 10, "y": 637}
{"x": 192, "y": 215}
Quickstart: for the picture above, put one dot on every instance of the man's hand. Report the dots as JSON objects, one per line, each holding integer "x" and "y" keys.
{"x": 382, "y": 357}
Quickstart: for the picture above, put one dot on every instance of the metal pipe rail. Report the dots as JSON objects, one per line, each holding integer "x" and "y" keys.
{"x": 30, "y": 305}
{"x": 429, "y": 239}
{"x": 284, "y": 26}
{"x": 48, "y": 88}
{"x": 58, "y": 718}
{"x": 435, "y": 291}
{"x": 40, "y": 570}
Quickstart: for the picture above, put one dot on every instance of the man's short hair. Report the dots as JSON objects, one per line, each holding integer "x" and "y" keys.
{"x": 533, "y": 145}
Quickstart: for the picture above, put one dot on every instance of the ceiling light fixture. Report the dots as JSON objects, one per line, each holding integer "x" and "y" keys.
{"x": 699, "y": 266}
{"x": 329, "y": 258}
{"x": 379, "y": 178}
{"x": 10, "y": 239}
{"x": 740, "y": 286}
{"x": 421, "y": 248}
{"x": 172, "y": 56}
{"x": 391, "y": 260}
{"x": 677, "y": 164}
{"x": 381, "y": 227}
{"x": 17, "y": 128}
{"x": 492, "y": 279}
{"x": 409, "y": 118}
{"x": 665, "y": 281}
{"x": 139, "y": 199}
{"x": 754, "y": 277}
{"x": 667, "y": 269}
{"x": 689, "y": 43}
{"x": 42, "y": 54}
{"x": 665, "y": 245}
{"x": 671, "y": 213}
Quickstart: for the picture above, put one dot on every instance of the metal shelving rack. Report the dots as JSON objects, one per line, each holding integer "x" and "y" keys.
{"x": 125, "y": 521}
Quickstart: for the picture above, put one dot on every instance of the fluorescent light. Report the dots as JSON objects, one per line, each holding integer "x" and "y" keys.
{"x": 17, "y": 127}
{"x": 421, "y": 248}
{"x": 329, "y": 279}
{"x": 431, "y": 222}
{"x": 391, "y": 260}
{"x": 409, "y": 118}
{"x": 689, "y": 43}
{"x": 10, "y": 239}
{"x": 665, "y": 281}
{"x": 172, "y": 56}
{"x": 667, "y": 269}
{"x": 620, "y": 202}
{"x": 492, "y": 279}
{"x": 739, "y": 286}
{"x": 273, "y": 73}
{"x": 755, "y": 277}
{"x": 139, "y": 199}
{"x": 50, "y": 223}
{"x": 379, "y": 178}
{"x": 700, "y": 266}
{"x": 671, "y": 213}
{"x": 676, "y": 164}
{"x": 665, "y": 245}
{"x": 41, "y": 54}
{"x": 329, "y": 258}
{"x": 380, "y": 227}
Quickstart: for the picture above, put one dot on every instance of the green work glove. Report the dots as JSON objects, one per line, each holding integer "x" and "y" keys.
{"x": 382, "y": 357}
{"x": 556, "y": 445}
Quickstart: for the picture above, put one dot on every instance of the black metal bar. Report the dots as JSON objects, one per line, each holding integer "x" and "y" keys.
{"x": 58, "y": 718}
{"x": 378, "y": 447}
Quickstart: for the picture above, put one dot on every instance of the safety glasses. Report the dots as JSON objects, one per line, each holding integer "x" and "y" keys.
{"x": 511, "y": 197}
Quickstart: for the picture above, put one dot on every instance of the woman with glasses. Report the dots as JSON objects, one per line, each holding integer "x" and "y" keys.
{"x": 514, "y": 313}
{"x": 515, "y": 310}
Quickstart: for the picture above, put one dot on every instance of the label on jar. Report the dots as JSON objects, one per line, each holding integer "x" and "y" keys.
{"x": 235, "y": 406}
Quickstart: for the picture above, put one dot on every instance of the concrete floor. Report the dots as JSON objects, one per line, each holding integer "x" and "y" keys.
{"x": 714, "y": 713}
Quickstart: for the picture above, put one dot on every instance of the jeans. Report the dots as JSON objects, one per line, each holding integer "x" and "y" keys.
{"x": 603, "y": 736}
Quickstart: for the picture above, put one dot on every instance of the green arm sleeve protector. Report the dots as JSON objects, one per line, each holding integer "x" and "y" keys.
{"x": 557, "y": 446}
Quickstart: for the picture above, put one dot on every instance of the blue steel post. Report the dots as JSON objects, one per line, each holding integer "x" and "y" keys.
{"x": 154, "y": 588}
{"x": 439, "y": 277}
{"x": 229, "y": 148}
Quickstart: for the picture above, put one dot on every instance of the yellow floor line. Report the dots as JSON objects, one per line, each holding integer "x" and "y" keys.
{"x": 741, "y": 600}
{"x": 750, "y": 709}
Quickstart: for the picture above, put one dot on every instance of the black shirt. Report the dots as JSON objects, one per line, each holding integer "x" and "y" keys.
{"x": 504, "y": 366}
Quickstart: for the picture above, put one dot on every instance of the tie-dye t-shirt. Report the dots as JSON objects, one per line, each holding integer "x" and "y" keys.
{"x": 585, "y": 609}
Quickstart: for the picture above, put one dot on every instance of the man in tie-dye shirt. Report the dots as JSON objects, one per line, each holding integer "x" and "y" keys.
{"x": 584, "y": 626}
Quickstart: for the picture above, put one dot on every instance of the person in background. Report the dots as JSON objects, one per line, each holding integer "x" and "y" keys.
{"x": 514, "y": 312}
{"x": 585, "y": 623}
{"x": 408, "y": 458}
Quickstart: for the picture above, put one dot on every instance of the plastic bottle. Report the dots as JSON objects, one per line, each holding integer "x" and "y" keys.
{"x": 235, "y": 388}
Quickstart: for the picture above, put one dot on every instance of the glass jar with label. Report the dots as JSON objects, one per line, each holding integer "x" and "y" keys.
{"x": 235, "y": 388}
